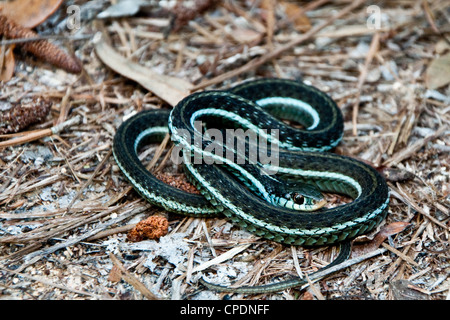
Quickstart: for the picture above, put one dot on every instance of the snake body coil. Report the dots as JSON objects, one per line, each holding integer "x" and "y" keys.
{"x": 257, "y": 106}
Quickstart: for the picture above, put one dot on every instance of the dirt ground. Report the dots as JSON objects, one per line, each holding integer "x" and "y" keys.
{"x": 66, "y": 208}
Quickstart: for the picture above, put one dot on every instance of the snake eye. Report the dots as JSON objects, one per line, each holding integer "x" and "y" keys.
{"x": 298, "y": 198}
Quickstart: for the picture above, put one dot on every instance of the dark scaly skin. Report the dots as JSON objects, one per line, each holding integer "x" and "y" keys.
{"x": 326, "y": 226}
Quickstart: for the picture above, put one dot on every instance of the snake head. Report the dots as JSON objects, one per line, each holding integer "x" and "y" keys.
{"x": 301, "y": 197}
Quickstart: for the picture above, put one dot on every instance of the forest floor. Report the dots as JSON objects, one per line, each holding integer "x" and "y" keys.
{"x": 66, "y": 208}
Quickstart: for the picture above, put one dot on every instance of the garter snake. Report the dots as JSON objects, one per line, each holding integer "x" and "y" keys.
{"x": 257, "y": 106}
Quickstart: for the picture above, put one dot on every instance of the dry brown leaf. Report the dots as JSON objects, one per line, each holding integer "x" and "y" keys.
{"x": 245, "y": 35}
{"x": 7, "y": 63}
{"x": 115, "y": 275}
{"x": 390, "y": 230}
{"x": 383, "y": 234}
{"x": 438, "y": 72}
{"x": 297, "y": 16}
{"x": 29, "y": 13}
{"x": 170, "y": 89}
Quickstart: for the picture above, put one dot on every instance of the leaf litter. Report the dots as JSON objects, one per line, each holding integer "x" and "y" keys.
{"x": 66, "y": 209}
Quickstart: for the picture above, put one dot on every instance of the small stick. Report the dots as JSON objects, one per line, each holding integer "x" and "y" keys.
{"x": 108, "y": 232}
{"x": 38, "y": 134}
{"x": 321, "y": 274}
{"x": 296, "y": 263}
{"x": 128, "y": 277}
{"x": 410, "y": 202}
{"x": 45, "y": 37}
{"x": 374, "y": 45}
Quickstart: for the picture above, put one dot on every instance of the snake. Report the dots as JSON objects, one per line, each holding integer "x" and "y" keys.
{"x": 281, "y": 199}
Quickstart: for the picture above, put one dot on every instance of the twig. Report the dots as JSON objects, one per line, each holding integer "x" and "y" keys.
{"x": 128, "y": 277}
{"x": 5, "y": 196}
{"x": 314, "y": 289}
{"x": 46, "y": 232}
{"x": 296, "y": 263}
{"x": 38, "y": 134}
{"x": 106, "y": 233}
{"x": 391, "y": 270}
{"x": 429, "y": 16}
{"x": 322, "y": 274}
{"x": 254, "y": 275}
{"x": 400, "y": 254}
{"x": 158, "y": 152}
{"x": 278, "y": 51}
{"x": 45, "y": 37}
{"x": 407, "y": 200}
{"x": 374, "y": 45}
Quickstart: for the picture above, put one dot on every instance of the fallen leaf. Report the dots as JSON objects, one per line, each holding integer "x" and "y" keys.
{"x": 390, "y": 230}
{"x": 7, "y": 63}
{"x": 245, "y": 35}
{"x": 29, "y": 13}
{"x": 297, "y": 16}
{"x": 438, "y": 72}
{"x": 115, "y": 275}
{"x": 378, "y": 239}
{"x": 168, "y": 88}
{"x": 442, "y": 46}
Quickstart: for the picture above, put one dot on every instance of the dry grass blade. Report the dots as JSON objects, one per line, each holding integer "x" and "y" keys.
{"x": 223, "y": 257}
{"x": 374, "y": 46}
